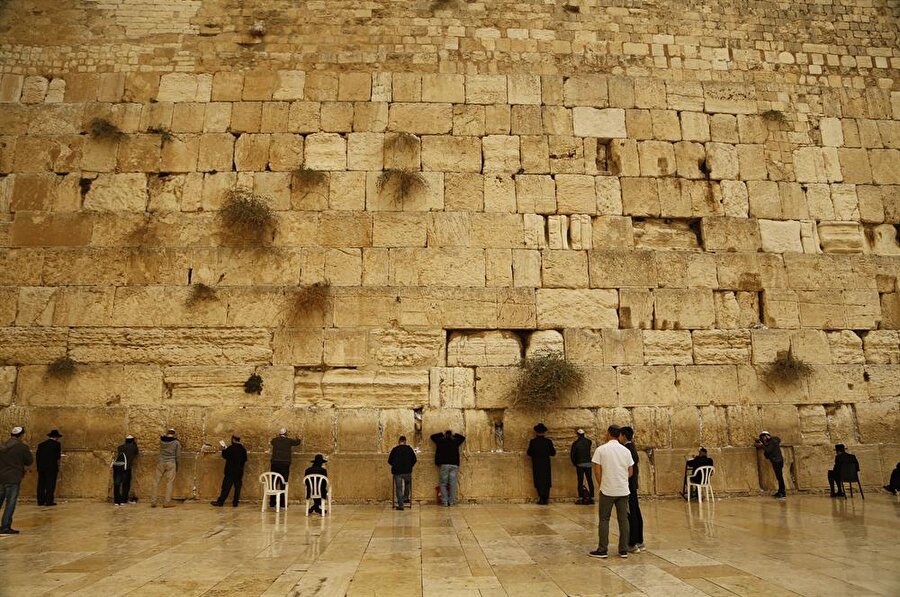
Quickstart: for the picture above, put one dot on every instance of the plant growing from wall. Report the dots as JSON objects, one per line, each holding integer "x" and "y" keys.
{"x": 247, "y": 216}
{"x": 145, "y": 234}
{"x": 776, "y": 116}
{"x": 786, "y": 368}
{"x": 62, "y": 368}
{"x": 101, "y": 128}
{"x": 544, "y": 379}
{"x": 401, "y": 184}
{"x": 309, "y": 179}
{"x": 254, "y": 384}
{"x": 201, "y": 293}
{"x": 165, "y": 135}
{"x": 309, "y": 298}
{"x": 401, "y": 143}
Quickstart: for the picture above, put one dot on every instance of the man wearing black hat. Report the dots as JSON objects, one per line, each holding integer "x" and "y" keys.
{"x": 235, "y": 457}
{"x": 845, "y": 464}
{"x": 14, "y": 457}
{"x": 541, "y": 449}
{"x": 122, "y": 467}
{"x": 47, "y": 457}
{"x": 316, "y": 469}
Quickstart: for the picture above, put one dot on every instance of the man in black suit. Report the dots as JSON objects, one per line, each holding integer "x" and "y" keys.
{"x": 845, "y": 464}
{"x": 47, "y": 457}
{"x": 235, "y": 457}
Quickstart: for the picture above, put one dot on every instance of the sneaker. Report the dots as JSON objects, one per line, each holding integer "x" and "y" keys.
{"x": 623, "y": 554}
{"x": 634, "y": 549}
{"x": 598, "y": 554}
{"x": 117, "y": 505}
{"x": 9, "y": 531}
{"x": 780, "y": 496}
{"x": 641, "y": 547}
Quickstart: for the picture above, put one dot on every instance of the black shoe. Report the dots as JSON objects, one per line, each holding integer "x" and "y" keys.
{"x": 9, "y": 531}
{"x": 779, "y": 496}
{"x": 623, "y": 554}
{"x": 216, "y": 503}
{"x": 51, "y": 504}
{"x": 398, "y": 508}
{"x": 589, "y": 503}
{"x": 234, "y": 505}
{"x": 598, "y": 554}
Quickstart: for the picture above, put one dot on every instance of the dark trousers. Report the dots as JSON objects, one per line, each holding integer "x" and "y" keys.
{"x": 635, "y": 520}
{"x": 834, "y": 480}
{"x": 9, "y": 496}
{"x": 605, "y": 510}
{"x": 402, "y": 487}
{"x": 584, "y": 473}
{"x": 232, "y": 480}
{"x": 283, "y": 469}
{"x": 121, "y": 484}
{"x": 46, "y": 487}
{"x": 778, "y": 468}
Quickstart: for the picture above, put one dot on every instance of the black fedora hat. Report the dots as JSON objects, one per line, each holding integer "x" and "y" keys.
{"x": 318, "y": 459}
{"x": 54, "y": 433}
{"x": 540, "y": 428}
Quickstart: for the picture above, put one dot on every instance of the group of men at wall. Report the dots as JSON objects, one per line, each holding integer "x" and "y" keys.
{"x": 615, "y": 470}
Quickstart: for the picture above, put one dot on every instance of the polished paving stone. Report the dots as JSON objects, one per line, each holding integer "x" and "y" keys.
{"x": 805, "y": 545}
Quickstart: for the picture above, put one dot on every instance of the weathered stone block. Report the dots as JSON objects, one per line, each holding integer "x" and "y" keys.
{"x": 605, "y": 124}
{"x": 452, "y": 387}
{"x": 721, "y": 347}
{"x": 647, "y": 386}
{"x": 91, "y": 385}
{"x": 558, "y": 308}
{"x": 684, "y": 308}
{"x": 493, "y": 348}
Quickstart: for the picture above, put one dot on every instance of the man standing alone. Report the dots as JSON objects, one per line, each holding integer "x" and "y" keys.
{"x": 580, "y": 453}
{"x": 771, "y": 447}
{"x": 14, "y": 457}
{"x": 446, "y": 456}
{"x": 613, "y": 466}
{"x": 635, "y": 519}
{"x": 235, "y": 457}
{"x": 541, "y": 449}
{"x": 169, "y": 457}
{"x": 282, "y": 448}
{"x": 47, "y": 459}
{"x": 402, "y": 460}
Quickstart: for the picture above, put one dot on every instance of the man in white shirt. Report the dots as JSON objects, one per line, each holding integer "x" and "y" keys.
{"x": 613, "y": 465}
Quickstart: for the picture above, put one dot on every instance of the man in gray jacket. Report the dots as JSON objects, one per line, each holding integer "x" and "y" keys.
{"x": 771, "y": 447}
{"x": 169, "y": 457}
{"x": 14, "y": 457}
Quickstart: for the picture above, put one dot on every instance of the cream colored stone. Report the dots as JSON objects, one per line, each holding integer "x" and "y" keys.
{"x": 452, "y": 387}
{"x": 780, "y": 237}
{"x": 493, "y": 348}
{"x": 350, "y": 388}
{"x": 646, "y": 386}
{"x": 607, "y": 123}
{"x": 569, "y": 308}
{"x": 501, "y": 154}
{"x": 684, "y": 309}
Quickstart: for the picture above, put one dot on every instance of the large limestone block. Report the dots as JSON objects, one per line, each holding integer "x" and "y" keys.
{"x": 813, "y": 424}
{"x": 619, "y": 268}
{"x": 492, "y": 348}
{"x": 704, "y": 385}
{"x": 721, "y": 347}
{"x": 585, "y": 90}
{"x": 326, "y": 151}
{"x": 184, "y": 87}
{"x": 667, "y": 347}
{"x": 355, "y": 430}
{"x": 607, "y": 123}
{"x": 845, "y": 347}
{"x": 878, "y": 421}
{"x": 7, "y": 385}
{"x": 885, "y": 166}
{"x": 208, "y": 386}
{"x": 93, "y": 385}
{"x": 657, "y": 158}
{"x": 755, "y": 388}
{"x": 561, "y": 308}
{"x": 494, "y": 477}
{"x": 647, "y": 386}
{"x": 882, "y": 347}
{"x": 352, "y": 388}
{"x": 635, "y": 308}
{"x": 452, "y": 387}
{"x": 438, "y": 266}
{"x": 781, "y": 309}
{"x": 841, "y": 237}
{"x": 731, "y": 234}
{"x": 451, "y": 154}
{"x": 395, "y": 347}
{"x": 518, "y": 426}
{"x": 736, "y": 309}
{"x": 101, "y": 428}
{"x": 841, "y": 383}
{"x": 31, "y": 345}
{"x": 346, "y": 348}
{"x": 684, "y": 309}
{"x": 583, "y": 346}
{"x": 600, "y": 389}
{"x": 565, "y": 269}
{"x": 722, "y": 161}
{"x": 544, "y": 341}
{"x": 171, "y": 346}
{"x": 501, "y": 154}
{"x": 623, "y": 347}
{"x": 426, "y": 119}
{"x": 780, "y": 236}
{"x": 494, "y": 386}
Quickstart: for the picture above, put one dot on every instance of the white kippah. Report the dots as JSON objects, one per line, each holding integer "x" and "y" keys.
{"x": 16, "y": 431}
{"x": 282, "y": 431}
{"x": 580, "y": 432}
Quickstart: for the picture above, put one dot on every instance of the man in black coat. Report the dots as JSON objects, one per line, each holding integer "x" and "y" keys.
{"x": 235, "y": 457}
{"x": 541, "y": 449}
{"x": 316, "y": 469}
{"x": 282, "y": 448}
{"x": 47, "y": 458}
{"x": 845, "y": 464}
{"x": 446, "y": 457}
{"x": 580, "y": 453}
{"x": 402, "y": 460}
{"x": 635, "y": 518}
{"x": 771, "y": 447}
{"x": 123, "y": 466}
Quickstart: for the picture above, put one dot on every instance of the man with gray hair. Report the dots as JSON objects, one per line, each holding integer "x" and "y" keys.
{"x": 282, "y": 448}
{"x": 14, "y": 457}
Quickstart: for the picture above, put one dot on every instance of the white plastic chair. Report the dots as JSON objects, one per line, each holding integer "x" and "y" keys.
{"x": 706, "y": 473}
{"x": 315, "y": 485}
{"x": 273, "y": 484}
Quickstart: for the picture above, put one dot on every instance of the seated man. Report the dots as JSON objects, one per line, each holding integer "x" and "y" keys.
{"x": 845, "y": 464}
{"x": 316, "y": 469}
{"x": 894, "y": 485}
{"x": 701, "y": 459}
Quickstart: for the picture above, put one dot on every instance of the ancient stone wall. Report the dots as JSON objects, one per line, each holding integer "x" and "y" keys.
{"x": 671, "y": 195}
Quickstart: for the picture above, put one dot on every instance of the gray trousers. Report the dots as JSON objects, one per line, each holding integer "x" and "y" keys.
{"x": 606, "y": 505}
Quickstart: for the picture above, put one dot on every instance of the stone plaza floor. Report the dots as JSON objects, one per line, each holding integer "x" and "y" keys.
{"x": 807, "y": 545}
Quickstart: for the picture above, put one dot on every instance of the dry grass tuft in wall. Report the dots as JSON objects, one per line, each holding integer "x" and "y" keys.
{"x": 401, "y": 184}
{"x": 246, "y": 216}
{"x": 786, "y": 368}
{"x": 62, "y": 368}
{"x": 545, "y": 378}
{"x": 102, "y": 129}
{"x": 201, "y": 293}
